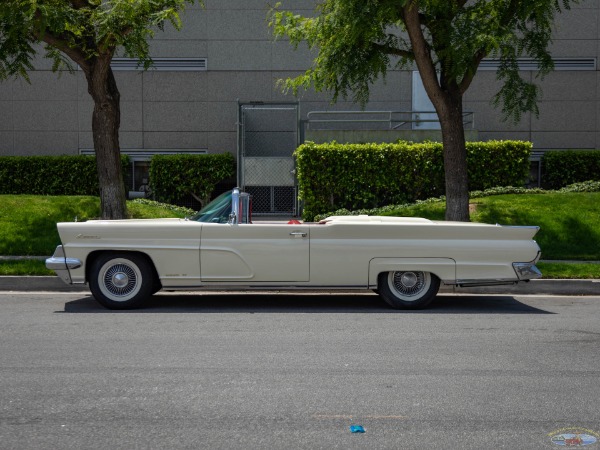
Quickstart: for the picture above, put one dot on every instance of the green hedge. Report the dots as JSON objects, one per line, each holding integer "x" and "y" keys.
{"x": 561, "y": 168}
{"x": 356, "y": 176}
{"x": 51, "y": 175}
{"x": 173, "y": 177}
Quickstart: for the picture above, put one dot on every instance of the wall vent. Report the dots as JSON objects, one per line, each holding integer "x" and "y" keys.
{"x": 162, "y": 64}
{"x": 531, "y": 64}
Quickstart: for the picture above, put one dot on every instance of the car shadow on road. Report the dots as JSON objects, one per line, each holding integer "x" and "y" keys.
{"x": 263, "y": 303}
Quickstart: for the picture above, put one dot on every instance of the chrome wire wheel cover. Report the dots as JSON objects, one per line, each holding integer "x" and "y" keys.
{"x": 119, "y": 279}
{"x": 409, "y": 286}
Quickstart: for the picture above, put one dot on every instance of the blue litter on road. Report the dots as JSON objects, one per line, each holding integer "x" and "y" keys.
{"x": 357, "y": 429}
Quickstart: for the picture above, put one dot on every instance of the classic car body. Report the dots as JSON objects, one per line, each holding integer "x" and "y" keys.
{"x": 403, "y": 259}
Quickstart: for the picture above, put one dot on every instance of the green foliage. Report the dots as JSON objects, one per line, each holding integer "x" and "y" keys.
{"x": 28, "y": 222}
{"x": 432, "y": 208}
{"x": 568, "y": 221}
{"x": 172, "y": 177}
{"x": 88, "y": 33}
{"x": 357, "y": 176}
{"x": 80, "y": 29}
{"x": 569, "y": 270}
{"x": 357, "y": 41}
{"x": 51, "y": 175}
{"x": 139, "y": 206}
{"x": 24, "y": 267}
{"x": 560, "y": 168}
{"x": 497, "y": 163}
{"x": 584, "y": 186}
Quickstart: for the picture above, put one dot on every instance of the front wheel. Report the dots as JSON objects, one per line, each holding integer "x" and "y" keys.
{"x": 408, "y": 289}
{"x": 121, "y": 281}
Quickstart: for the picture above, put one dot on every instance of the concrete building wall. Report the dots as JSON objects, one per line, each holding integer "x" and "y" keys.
{"x": 198, "y": 110}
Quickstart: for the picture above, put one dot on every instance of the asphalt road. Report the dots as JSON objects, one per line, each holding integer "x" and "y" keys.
{"x": 278, "y": 371}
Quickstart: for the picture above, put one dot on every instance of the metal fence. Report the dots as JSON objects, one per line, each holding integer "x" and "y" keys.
{"x": 267, "y": 138}
{"x": 378, "y": 120}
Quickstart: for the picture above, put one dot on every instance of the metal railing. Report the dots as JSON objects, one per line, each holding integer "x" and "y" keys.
{"x": 378, "y": 120}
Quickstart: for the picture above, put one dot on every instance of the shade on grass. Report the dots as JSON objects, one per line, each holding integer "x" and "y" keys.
{"x": 569, "y": 270}
{"x": 569, "y": 222}
{"x": 28, "y": 222}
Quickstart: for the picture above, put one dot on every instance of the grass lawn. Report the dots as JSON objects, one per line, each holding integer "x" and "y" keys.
{"x": 570, "y": 225}
{"x": 569, "y": 270}
{"x": 569, "y": 222}
{"x": 28, "y": 222}
{"x": 24, "y": 267}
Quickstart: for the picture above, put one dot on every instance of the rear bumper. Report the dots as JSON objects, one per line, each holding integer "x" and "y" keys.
{"x": 61, "y": 265}
{"x": 527, "y": 271}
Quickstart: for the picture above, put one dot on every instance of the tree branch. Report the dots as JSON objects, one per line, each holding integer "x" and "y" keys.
{"x": 78, "y": 4}
{"x": 394, "y": 51}
{"x": 61, "y": 44}
{"x": 422, "y": 54}
{"x": 510, "y": 12}
{"x": 468, "y": 78}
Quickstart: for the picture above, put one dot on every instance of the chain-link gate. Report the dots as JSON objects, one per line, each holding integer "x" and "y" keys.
{"x": 267, "y": 138}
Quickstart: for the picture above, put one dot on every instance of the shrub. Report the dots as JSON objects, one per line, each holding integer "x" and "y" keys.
{"x": 51, "y": 175}
{"x": 357, "y": 176}
{"x": 172, "y": 177}
{"x": 561, "y": 168}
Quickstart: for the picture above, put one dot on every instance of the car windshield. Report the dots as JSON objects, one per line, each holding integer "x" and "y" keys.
{"x": 216, "y": 211}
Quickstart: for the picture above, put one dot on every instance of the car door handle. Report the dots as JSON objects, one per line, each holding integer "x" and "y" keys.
{"x": 298, "y": 233}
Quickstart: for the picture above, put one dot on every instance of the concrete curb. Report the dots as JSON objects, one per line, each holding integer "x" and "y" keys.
{"x": 535, "y": 287}
{"x": 541, "y": 287}
{"x": 33, "y": 283}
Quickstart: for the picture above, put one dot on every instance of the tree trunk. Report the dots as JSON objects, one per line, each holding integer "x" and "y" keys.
{"x": 455, "y": 158}
{"x": 106, "y": 121}
{"x": 446, "y": 97}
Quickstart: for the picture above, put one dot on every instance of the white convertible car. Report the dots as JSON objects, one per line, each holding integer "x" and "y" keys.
{"x": 403, "y": 259}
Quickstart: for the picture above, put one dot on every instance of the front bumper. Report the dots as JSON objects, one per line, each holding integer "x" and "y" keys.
{"x": 61, "y": 265}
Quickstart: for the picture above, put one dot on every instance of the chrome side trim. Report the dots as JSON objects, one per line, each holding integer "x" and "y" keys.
{"x": 475, "y": 283}
{"x": 229, "y": 287}
{"x": 526, "y": 227}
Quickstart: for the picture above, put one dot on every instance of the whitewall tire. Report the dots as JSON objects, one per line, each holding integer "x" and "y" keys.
{"x": 121, "y": 280}
{"x": 408, "y": 289}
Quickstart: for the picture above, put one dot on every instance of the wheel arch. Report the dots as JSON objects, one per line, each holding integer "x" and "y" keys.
{"x": 97, "y": 253}
{"x": 443, "y": 268}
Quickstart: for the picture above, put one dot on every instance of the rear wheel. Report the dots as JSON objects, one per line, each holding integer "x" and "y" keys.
{"x": 408, "y": 289}
{"x": 121, "y": 280}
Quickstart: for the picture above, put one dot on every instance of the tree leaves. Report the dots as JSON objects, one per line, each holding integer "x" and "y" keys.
{"x": 80, "y": 29}
{"x": 358, "y": 41}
